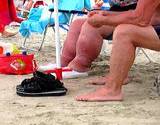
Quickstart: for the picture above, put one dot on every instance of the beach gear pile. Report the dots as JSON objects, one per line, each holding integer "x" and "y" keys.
{"x": 15, "y": 61}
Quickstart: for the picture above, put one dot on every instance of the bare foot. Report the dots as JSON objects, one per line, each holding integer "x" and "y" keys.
{"x": 6, "y": 34}
{"x": 77, "y": 66}
{"x": 65, "y": 60}
{"x": 102, "y": 81}
{"x": 98, "y": 81}
{"x": 101, "y": 94}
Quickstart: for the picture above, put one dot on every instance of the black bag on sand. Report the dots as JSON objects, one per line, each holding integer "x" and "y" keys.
{"x": 41, "y": 85}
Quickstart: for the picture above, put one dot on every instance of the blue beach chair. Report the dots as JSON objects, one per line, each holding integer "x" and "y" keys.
{"x": 41, "y": 18}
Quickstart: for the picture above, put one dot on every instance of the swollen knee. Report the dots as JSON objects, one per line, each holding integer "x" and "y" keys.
{"x": 77, "y": 22}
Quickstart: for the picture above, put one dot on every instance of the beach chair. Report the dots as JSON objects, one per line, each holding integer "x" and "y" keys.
{"x": 45, "y": 18}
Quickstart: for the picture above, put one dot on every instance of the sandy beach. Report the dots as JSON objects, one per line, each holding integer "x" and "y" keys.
{"x": 141, "y": 105}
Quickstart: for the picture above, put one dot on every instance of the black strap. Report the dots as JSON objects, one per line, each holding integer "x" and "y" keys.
{"x": 69, "y": 11}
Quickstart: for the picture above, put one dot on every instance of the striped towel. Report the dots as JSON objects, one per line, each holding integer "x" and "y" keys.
{"x": 105, "y": 5}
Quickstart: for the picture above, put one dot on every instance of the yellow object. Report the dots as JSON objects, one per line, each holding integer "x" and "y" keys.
{"x": 99, "y": 3}
{"x": 8, "y": 48}
{"x": 15, "y": 49}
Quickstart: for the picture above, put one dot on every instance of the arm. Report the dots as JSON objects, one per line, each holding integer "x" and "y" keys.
{"x": 140, "y": 16}
{"x": 26, "y": 6}
{"x": 29, "y": 5}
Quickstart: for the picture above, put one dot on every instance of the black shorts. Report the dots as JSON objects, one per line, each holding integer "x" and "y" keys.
{"x": 157, "y": 29}
{"x": 118, "y": 8}
{"x": 125, "y": 8}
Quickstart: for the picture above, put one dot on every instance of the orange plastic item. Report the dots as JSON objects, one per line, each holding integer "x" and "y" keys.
{"x": 1, "y": 50}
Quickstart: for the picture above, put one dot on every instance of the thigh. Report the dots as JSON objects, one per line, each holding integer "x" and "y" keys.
{"x": 106, "y": 30}
{"x": 145, "y": 37}
{"x": 77, "y": 24}
{"x": 74, "y": 30}
{"x": 103, "y": 31}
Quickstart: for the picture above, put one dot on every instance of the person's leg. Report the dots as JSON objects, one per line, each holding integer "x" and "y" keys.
{"x": 12, "y": 12}
{"x": 69, "y": 47}
{"x": 6, "y": 34}
{"x": 102, "y": 80}
{"x": 5, "y": 18}
{"x": 2, "y": 27}
{"x": 88, "y": 46}
{"x": 125, "y": 40}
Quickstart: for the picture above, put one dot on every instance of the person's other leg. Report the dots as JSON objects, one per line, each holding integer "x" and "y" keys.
{"x": 12, "y": 12}
{"x": 101, "y": 80}
{"x": 2, "y": 27}
{"x": 69, "y": 47}
{"x": 125, "y": 40}
{"x": 5, "y": 19}
{"x": 89, "y": 46}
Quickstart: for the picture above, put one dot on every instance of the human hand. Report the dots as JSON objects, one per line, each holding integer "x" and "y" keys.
{"x": 100, "y": 12}
{"x": 95, "y": 21}
{"x": 93, "y": 13}
{"x": 98, "y": 3}
{"x": 96, "y": 18}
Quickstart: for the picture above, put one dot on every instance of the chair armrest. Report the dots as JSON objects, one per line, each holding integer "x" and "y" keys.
{"x": 69, "y": 11}
{"x": 51, "y": 9}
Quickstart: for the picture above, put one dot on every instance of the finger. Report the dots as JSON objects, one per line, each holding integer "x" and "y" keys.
{"x": 92, "y": 13}
{"x": 104, "y": 13}
{"x": 99, "y": 4}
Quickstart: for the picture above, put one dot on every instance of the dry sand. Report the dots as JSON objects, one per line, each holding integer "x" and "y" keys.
{"x": 141, "y": 105}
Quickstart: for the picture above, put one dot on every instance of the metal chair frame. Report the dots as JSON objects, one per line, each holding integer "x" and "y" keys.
{"x": 63, "y": 26}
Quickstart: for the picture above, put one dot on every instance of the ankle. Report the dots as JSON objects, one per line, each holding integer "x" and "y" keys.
{"x": 8, "y": 34}
{"x": 83, "y": 60}
{"x": 65, "y": 60}
{"x": 113, "y": 85}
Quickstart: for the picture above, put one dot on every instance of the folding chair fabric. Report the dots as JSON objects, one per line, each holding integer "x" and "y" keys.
{"x": 37, "y": 21}
{"x": 44, "y": 18}
{"x": 105, "y": 5}
{"x": 39, "y": 18}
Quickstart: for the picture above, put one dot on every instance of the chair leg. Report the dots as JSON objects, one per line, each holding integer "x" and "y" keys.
{"x": 53, "y": 29}
{"x": 138, "y": 50}
{"x": 23, "y": 46}
{"x": 44, "y": 35}
{"x": 146, "y": 55}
